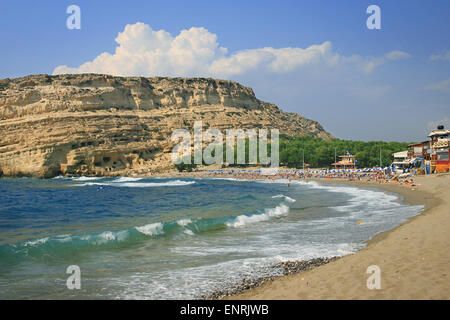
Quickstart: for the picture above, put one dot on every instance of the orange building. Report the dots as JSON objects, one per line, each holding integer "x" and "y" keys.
{"x": 440, "y": 151}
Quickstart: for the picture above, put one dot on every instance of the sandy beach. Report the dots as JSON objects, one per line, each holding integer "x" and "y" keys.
{"x": 413, "y": 258}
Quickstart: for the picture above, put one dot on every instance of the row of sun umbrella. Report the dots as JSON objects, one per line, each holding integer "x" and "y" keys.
{"x": 309, "y": 171}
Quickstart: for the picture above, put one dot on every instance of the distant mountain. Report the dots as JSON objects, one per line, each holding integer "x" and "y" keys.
{"x": 91, "y": 124}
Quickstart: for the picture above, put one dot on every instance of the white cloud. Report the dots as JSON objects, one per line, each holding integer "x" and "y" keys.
{"x": 396, "y": 55}
{"x": 442, "y": 56}
{"x": 143, "y": 51}
{"x": 196, "y": 52}
{"x": 368, "y": 64}
{"x": 440, "y": 86}
{"x": 273, "y": 60}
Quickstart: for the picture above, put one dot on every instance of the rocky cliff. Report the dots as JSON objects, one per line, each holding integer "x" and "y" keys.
{"x": 92, "y": 124}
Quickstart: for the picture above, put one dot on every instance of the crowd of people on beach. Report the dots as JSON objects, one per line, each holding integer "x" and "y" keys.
{"x": 377, "y": 175}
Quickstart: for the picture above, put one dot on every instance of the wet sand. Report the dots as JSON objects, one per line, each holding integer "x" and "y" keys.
{"x": 414, "y": 258}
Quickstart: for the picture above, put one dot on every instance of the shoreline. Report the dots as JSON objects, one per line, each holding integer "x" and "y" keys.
{"x": 293, "y": 268}
{"x": 432, "y": 281}
{"x": 289, "y": 267}
{"x": 409, "y": 195}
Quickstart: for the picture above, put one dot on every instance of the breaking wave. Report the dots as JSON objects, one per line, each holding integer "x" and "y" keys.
{"x": 66, "y": 244}
{"x": 126, "y": 183}
{"x": 359, "y": 197}
{"x": 151, "y": 229}
{"x": 243, "y": 220}
{"x": 286, "y": 198}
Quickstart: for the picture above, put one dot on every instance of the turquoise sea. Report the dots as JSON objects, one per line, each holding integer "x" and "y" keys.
{"x": 174, "y": 238}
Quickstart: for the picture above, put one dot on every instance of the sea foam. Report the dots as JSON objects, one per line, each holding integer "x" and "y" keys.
{"x": 184, "y": 222}
{"x": 87, "y": 178}
{"x": 243, "y": 220}
{"x": 151, "y": 229}
{"x": 32, "y": 243}
{"x": 286, "y": 198}
{"x": 116, "y": 183}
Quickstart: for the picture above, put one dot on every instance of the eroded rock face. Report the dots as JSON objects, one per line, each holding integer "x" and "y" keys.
{"x": 92, "y": 124}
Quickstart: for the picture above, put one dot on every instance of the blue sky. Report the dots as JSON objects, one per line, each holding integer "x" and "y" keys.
{"x": 322, "y": 61}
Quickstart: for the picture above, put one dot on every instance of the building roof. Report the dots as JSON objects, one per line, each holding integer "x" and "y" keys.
{"x": 401, "y": 162}
{"x": 401, "y": 154}
{"x": 418, "y": 143}
{"x": 439, "y": 133}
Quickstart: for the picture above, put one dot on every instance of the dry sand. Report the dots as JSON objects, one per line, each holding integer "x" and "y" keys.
{"x": 414, "y": 258}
